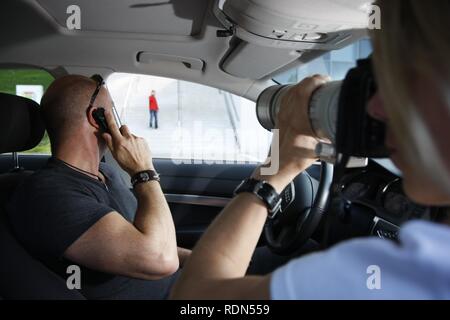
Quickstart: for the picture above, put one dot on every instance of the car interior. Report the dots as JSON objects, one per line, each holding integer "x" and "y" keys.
{"x": 237, "y": 46}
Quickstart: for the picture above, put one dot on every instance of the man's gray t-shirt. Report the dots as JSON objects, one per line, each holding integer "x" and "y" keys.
{"x": 56, "y": 205}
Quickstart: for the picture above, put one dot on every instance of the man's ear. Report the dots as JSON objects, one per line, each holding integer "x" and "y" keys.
{"x": 91, "y": 118}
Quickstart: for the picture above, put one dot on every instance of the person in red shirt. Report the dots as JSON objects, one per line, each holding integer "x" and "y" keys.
{"x": 154, "y": 108}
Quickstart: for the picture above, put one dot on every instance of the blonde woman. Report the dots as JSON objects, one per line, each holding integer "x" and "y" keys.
{"x": 413, "y": 72}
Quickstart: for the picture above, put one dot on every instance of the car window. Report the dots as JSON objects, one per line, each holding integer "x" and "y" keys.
{"x": 31, "y": 84}
{"x": 335, "y": 63}
{"x": 196, "y": 123}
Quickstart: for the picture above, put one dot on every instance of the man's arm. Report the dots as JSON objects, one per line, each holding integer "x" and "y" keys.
{"x": 146, "y": 249}
{"x": 217, "y": 266}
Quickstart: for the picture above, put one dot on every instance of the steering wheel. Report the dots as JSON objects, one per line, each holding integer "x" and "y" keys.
{"x": 292, "y": 228}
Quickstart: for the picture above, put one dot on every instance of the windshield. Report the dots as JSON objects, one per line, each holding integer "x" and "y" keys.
{"x": 335, "y": 63}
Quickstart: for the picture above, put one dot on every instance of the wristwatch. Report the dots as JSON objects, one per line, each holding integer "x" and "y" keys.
{"x": 265, "y": 192}
{"x": 144, "y": 176}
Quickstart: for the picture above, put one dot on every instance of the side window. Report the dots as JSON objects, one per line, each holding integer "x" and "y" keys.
{"x": 335, "y": 63}
{"x": 31, "y": 84}
{"x": 188, "y": 122}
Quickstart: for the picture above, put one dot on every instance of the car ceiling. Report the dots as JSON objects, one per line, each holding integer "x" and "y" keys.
{"x": 116, "y": 32}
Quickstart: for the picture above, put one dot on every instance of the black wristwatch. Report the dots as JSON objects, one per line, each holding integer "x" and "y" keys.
{"x": 144, "y": 176}
{"x": 265, "y": 192}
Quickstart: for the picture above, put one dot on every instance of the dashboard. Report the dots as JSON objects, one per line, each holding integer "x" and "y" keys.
{"x": 374, "y": 196}
{"x": 382, "y": 194}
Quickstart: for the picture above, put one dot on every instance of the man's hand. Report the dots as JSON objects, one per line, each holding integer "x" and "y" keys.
{"x": 131, "y": 153}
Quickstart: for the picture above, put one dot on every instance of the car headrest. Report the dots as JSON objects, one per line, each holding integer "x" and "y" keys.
{"x": 21, "y": 125}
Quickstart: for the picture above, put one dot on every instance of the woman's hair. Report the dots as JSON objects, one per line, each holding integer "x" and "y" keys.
{"x": 414, "y": 41}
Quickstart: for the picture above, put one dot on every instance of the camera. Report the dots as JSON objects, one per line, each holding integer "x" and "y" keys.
{"x": 337, "y": 114}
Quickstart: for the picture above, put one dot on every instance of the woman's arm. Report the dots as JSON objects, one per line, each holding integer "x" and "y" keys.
{"x": 218, "y": 264}
{"x": 223, "y": 255}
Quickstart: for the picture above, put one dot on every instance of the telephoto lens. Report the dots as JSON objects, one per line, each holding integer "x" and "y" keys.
{"x": 338, "y": 116}
{"x": 323, "y": 109}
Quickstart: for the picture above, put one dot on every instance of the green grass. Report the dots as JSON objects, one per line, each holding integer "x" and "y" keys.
{"x": 9, "y": 78}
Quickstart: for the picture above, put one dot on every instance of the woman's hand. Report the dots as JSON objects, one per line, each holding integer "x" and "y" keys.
{"x": 296, "y": 137}
{"x": 297, "y": 142}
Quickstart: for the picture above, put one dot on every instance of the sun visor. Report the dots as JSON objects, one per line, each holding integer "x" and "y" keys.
{"x": 287, "y": 23}
{"x": 246, "y": 60}
{"x": 268, "y": 35}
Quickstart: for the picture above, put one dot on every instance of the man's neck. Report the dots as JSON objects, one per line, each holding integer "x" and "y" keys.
{"x": 84, "y": 155}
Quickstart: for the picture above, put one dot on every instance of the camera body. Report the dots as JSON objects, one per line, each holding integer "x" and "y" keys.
{"x": 338, "y": 115}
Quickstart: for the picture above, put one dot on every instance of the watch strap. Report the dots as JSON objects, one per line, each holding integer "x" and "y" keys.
{"x": 144, "y": 176}
{"x": 264, "y": 191}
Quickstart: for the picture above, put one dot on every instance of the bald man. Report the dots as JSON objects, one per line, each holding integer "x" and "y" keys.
{"x": 75, "y": 211}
